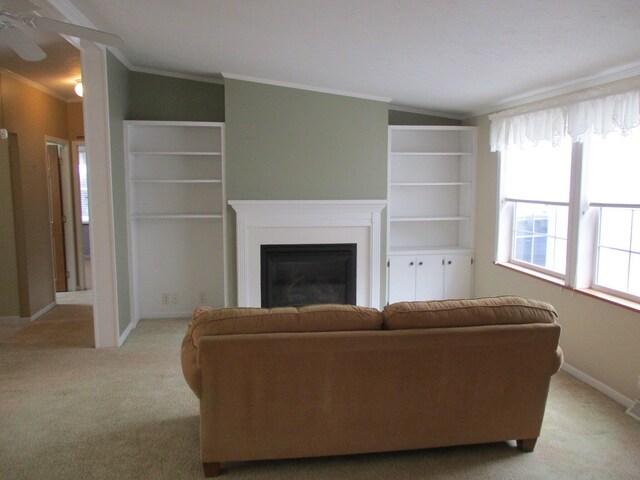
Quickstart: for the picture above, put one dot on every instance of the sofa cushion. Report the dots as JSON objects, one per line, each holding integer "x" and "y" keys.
{"x": 314, "y": 318}
{"x": 233, "y": 321}
{"x": 505, "y": 310}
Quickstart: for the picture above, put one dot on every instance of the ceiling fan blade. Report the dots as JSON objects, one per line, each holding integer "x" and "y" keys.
{"x": 16, "y": 7}
{"x": 22, "y": 44}
{"x": 78, "y": 31}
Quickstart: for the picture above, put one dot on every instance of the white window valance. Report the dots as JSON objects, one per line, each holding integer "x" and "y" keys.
{"x": 599, "y": 111}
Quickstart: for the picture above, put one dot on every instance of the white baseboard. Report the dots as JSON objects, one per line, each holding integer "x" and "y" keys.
{"x": 634, "y": 410}
{"x": 154, "y": 315}
{"x": 42, "y": 312}
{"x": 125, "y": 334}
{"x": 598, "y": 385}
{"x": 10, "y": 319}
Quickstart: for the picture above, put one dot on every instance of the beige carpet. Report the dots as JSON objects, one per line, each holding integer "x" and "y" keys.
{"x": 68, "y": 411}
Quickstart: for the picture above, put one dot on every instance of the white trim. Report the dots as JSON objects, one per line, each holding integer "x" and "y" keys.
{"x": 424, "y": 111}
{"x": 278, "y": 221}
{"x": 71, "y": 13}
{"x": 305, "y": 87}
{"x": 163, "y": 315}
{"x": 183, "y": 76}
{"x": 120, "y": 56}
{"x": 44, "y": 310}
{"x": 11, "y": 318}
{"x": 101, "y": 229}
{"x": 77, "y": 213}
{"x": 601, "y": 387}
{"x": 126, "y": 333}
{"x": 32, "y": 84}
{"x": 634, "y": 410}
{"x": 75, "y": 16}
{"x": 68, "y": 227}
{"x": 558, "y": 90}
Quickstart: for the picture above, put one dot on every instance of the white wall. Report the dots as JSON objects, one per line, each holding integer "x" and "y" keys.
{"x": 599, "y": 339}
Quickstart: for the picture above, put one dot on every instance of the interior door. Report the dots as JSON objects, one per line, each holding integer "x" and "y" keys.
{"x": 56, "y": 218}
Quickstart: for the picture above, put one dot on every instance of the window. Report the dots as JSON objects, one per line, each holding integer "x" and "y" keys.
{"x": 536, "y": 185}
{"x": 573, "y": 211}
{"x": 613, "y": 173}
{"x": 84, "y": 191}
{"x": 540, "y": 236}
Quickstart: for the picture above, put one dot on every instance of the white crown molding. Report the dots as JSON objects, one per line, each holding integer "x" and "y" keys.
{"x": 305, "y": 87}
{"x": 424, "y": 111}
{"x": 561, "y": 89}
{"x": 32, "y": 84}
{"x": 183, "y": 76}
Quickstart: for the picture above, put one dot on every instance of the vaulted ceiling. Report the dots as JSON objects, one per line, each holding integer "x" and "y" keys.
{"x": 455, "y": 56}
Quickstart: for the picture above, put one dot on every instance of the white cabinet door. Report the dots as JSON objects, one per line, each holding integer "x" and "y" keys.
{"x": 457, "y": 276}
{"x": 430, "y": 277}
{"x": 402, "y": 279}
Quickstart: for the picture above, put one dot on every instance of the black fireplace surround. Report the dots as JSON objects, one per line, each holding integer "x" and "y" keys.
{"x": 309, "y": 274}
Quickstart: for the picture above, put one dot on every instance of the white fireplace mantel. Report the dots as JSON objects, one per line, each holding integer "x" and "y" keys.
{"x": 279, "y": 222}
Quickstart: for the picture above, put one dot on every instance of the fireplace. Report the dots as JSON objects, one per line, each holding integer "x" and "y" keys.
{"x": 308, "y": 222}
{"x": 307, "y": 274}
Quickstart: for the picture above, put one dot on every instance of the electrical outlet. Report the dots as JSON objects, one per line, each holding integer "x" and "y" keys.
{"x": 174, "y": 298}
{"x": 203, "y": 297}
{"x": 165, "y": 299}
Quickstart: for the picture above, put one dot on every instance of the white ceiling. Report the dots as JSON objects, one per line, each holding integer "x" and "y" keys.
{"x": 455, "y": 56}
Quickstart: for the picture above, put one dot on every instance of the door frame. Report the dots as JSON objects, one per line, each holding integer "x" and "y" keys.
{"x": 77, "y": 213}
{"x": 67, "y": 197}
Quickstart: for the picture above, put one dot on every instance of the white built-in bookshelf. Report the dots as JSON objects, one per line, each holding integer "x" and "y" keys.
{"x": 176, "y": 205}
{"x": 431, "y": 211}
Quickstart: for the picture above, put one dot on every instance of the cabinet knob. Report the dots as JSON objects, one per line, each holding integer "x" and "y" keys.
{"x": 449, "y": 262}
{"x": 411, "y": 264}
{"x": 419, "y": 263}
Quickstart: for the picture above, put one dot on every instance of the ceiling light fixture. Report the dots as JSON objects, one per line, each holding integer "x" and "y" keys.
{"x": 79, "y": 89}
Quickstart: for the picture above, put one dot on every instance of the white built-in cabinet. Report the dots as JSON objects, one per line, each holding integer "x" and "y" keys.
{"x": 431, "y": 212}
{"x": 177, "y": 216}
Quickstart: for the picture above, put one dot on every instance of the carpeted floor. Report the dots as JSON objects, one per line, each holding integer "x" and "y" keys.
{"x": 68, "y": 411}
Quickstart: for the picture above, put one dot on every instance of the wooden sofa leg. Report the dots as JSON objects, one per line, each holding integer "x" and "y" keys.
{"x": 211, "y": 469}
{"x": 527, "y": 444}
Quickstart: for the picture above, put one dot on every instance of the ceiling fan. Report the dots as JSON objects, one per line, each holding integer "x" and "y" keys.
{"x": 19, "y": 19}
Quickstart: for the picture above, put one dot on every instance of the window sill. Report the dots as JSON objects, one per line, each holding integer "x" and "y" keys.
{"x": 589, "y": 292}
{"x": 623, "y": 302}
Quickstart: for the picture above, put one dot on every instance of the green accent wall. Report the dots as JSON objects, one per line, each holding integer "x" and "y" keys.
{"x": 157, "y": 97}
{"x": 290, "y": 144}
{"x": 281, "y": 144}
{"x": 284, "y": 144}
{"x": 118, "y": 85}
{"x": 396, "y": 117}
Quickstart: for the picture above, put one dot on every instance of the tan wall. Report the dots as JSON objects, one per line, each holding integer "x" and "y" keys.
{"x": 32, "y": 115}
{"x": 9, "y": 301}
{"x": 598, "y": 338}
{"x": 75, "y": 122}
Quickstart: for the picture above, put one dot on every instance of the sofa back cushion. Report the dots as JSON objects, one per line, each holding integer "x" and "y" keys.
{"x": 233, "y": 321}
{"x": 315, "y": 318}
{"x": 506, "y": 310}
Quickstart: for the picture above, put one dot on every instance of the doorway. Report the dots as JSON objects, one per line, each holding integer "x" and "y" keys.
{"x": 69, "y": 218}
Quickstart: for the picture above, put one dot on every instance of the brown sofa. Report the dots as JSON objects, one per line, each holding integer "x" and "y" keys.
{"x": 333, "y": 380}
